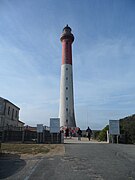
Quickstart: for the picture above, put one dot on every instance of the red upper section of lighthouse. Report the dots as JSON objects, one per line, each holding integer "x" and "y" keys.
{"x": 67, "y": 38}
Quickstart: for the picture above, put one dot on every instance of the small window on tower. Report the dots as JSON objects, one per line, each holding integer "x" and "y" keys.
{"x": 66, "y": 109}
{"x": 66, "y": 88}
{"x": 66, "y": 78}
{"x": 66, "y": 68}
{"x": 66, "y": 98}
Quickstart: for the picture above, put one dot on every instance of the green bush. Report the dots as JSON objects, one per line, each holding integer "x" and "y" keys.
{"x": 96, "y": 134}
{"x": 127, "y": 128}
{"x": 103, "y": 134}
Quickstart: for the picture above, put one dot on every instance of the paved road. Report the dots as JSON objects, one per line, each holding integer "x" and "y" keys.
{"x": 90, "y": 161}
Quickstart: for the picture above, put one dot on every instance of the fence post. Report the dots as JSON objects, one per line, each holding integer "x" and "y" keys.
{"x": 23, "y": 136}
{"x": 0, "y": 148}
{"x": 3, "y": 136}
{"x": 43, "y": 136}
{"x": 107, "y": 136}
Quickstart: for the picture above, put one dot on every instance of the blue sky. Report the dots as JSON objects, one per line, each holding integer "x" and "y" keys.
{"x": 103, "y": 58}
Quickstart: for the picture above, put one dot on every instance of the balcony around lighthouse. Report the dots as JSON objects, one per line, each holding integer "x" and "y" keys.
{"x": 66, "y": 34}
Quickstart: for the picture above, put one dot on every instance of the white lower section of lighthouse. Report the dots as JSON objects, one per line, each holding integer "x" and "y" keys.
{"x": 66, "y": 113}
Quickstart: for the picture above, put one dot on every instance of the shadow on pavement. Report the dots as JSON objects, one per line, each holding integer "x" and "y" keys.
{"x": 10, "y": 164}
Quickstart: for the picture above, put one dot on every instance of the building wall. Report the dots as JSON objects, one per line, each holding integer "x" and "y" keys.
{"x": 9, "y": 113}
{"x": 20, "y": 124}
{"x": 2, "y": 106}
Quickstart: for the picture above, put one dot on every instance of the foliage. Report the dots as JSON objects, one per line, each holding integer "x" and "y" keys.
{"x": 96, "y": 134}
{"x": 103, "y": 134}
{"x": 127, "y": 128}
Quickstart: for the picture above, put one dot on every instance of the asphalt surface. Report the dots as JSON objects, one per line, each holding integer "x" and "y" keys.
{"x": 90, "y": 161}
{"x": 10, "y": 164}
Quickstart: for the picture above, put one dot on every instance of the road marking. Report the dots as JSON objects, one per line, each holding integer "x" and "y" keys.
{"x": 32, "y": 170}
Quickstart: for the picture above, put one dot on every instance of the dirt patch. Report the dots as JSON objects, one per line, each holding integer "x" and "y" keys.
{"x": 57, "y": 150}
{"x": 30, "y": 154}
{"x": 30, "y": 150}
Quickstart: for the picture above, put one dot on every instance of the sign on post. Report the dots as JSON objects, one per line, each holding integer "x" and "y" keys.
{"x": 114, "y": 128}
{"x": 39, "y": 128}
{"x": 54, "y": 125}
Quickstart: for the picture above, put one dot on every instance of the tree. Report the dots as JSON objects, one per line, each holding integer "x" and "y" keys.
{"x": 127, "y": 128}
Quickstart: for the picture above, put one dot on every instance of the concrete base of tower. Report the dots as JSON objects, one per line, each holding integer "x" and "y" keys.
{"x": 69, "y": 124}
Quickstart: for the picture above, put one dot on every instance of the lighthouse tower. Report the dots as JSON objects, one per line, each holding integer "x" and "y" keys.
{"x": 66, "y": 112}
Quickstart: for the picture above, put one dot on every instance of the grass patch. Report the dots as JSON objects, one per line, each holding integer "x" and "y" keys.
{"x": 26, "y": 148}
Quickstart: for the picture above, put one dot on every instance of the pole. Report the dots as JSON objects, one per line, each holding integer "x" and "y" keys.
{"x": 117, "y": 139}
{"x": 52, "y": 138}
{"x": 23, "y": 134}
{"x": 112, "y": 139}
{"x": 107, "y": 136}
{"x": 43, "y": 136}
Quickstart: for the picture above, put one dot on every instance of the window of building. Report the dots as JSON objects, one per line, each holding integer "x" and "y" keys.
{"x": 66, "y": 78}
{"x": 12, "y": 113}
{"x": 66, "y": 98}
{"x": 66, "y": 68}
{"x": 16, "y": 114}
{"x": 8, "y": 110}
{"x": 66, "y": 109}
{"x": 66, "y": 88}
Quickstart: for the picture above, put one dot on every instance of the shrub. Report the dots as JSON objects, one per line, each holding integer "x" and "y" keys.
{"x": 127, "y": 128}
{"x": 103, "y": 134}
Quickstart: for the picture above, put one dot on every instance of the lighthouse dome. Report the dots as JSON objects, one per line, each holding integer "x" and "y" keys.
{"x": 66, "y": 33}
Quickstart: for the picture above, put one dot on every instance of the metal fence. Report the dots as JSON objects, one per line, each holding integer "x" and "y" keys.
{"x": 27, "y": 136}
